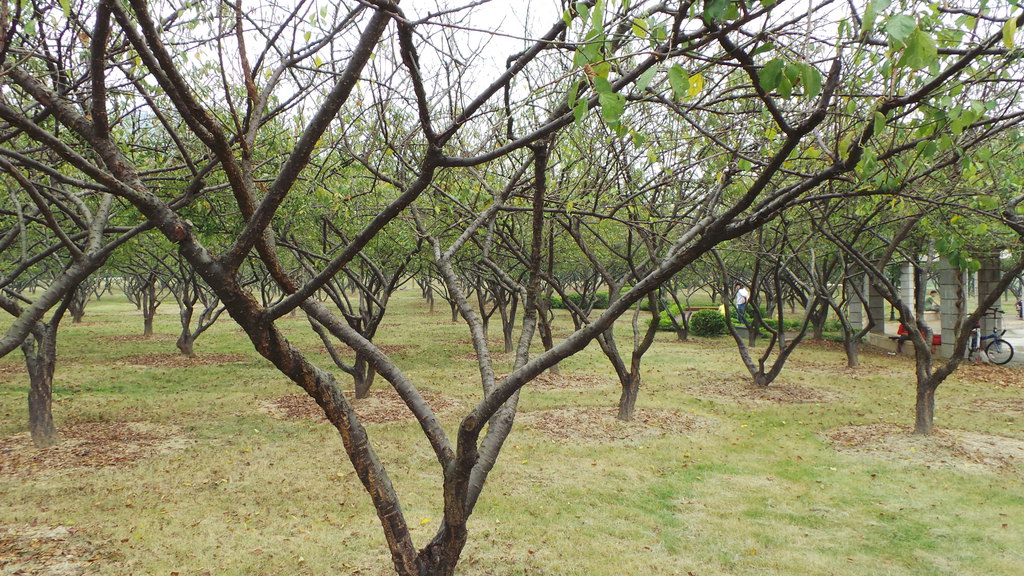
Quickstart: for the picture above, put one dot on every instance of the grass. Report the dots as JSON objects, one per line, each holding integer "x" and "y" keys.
{"x": 756, "y": 486}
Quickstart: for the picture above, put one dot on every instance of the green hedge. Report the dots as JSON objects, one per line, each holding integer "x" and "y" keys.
{"x": 599, "y": 300}
{"x": 707, "y": 323}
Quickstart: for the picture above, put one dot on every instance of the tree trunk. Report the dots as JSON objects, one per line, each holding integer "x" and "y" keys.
{"x": 440, "y": 557}
{"x": 40, "y": 360}
{"x": 455, "y": 311}
{"x": 547, "y": 339}
{"x": 852, "y": 348}
{"x": 924, "y": 420}
{"x": 147, "y": 323}
{"x": 819, "y": 316}
{"x": 363, "y": 377}
{"x": 627, "y": 401}
{"x": 186, "y": 343}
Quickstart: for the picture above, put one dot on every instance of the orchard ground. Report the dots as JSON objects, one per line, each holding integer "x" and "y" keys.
{"x": 215, "y": 465}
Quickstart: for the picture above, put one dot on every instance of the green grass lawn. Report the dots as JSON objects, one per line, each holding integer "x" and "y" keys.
{"x": 190, "y": 468}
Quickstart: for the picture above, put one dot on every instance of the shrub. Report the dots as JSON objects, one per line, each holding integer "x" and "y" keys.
{"x": 664, "y": 322}
{"x": 707, "y": 323}
{"x": 600, "y": 300}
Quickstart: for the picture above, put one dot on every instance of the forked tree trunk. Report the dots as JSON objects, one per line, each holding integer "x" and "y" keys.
{"x": 762, "y": 379}
{"x": 186, "y": 343}
{"x": 441, "y": 556}
{"x": 852, "y": 348}
{"x": 362, "y": 377}
{"x": 40, "y": 360}
{"x": 627, "y": 400}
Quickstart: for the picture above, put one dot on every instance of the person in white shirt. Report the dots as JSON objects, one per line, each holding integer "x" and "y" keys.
{"x": 742, "y": 296}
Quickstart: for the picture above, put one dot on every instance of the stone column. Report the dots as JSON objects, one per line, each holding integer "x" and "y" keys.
{"x": 988, "y": 277}
{"x": 854, "y": 307}
{"x": 907, "y": 285}
{"x": 953, "y": 297}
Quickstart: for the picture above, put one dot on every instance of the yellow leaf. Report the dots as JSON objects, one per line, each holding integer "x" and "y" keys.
{"x": 425, "y": 521}
{"x": 696, "y": 85}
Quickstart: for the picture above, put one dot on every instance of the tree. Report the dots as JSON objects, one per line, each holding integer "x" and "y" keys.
{"x": 765, "y": 105}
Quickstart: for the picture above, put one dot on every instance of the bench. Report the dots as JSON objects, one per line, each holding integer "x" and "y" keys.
{"x": 902, "y": 336}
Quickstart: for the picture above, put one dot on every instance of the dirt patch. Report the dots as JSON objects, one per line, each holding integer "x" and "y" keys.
{"x": 131, "y": 338}
{"x": 1002, "y": 376}
{"x": 1004, "y": 405}
{"x": 181, "y": 361}
{"x": 44, "y": 551}
{"x": 88, "y": 445}
{"x": 383, "y": 406}
{"x": 390, "y": 350}
{"x": 778, "y": 393}
{"x": 13, "y": 369}
{"x": 954, "y": 448}
{"x": 563, "y": 381}
{"x": 499, "y": 357}
{"x": 601, "y": 424}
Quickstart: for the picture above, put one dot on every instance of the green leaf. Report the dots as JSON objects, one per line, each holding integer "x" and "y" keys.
{"x": 597, "y": 16}
{"x": 770, "y": 74}
{"x": 679, "y": 80}
{"x": 640, "y": 28}
{"x": 583, "y": 10}
{"x": 900, "y": 26}
{"x": 612, "y": 106}
{"x": 574, "y": 93}
{"x": 928, "y": 148}
{"x": 715, "y": 9}
{"x": 579, "y": 111}
{"x": 792, "y": 73}
{"x": 920, "y": 52}
{"x": 602, "y": 85}
{"x": 785, "y": 86}
{"x": 870, "y": 13}
{"x": 645, "y": 79}
{"x": 1009, "y": 29}
{"x": 879, "y": 123}
{"x": 811, "y": 79}
{"x": 65, "y": 5}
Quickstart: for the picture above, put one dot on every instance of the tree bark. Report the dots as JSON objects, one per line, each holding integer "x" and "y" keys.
{"x": 362, "y": 377}
{"x": 852, "y": 349}
{"x": 40, "y": 349}
{"x": 186, "y": 343}
{"x": 924, "y": 417}
{"x": 627, "y": 400}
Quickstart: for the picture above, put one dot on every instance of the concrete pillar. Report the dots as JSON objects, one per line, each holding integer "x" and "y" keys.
{"x": 953, "y": 297}
{"x": 855, "y": 310}
{"x": 988, "y": 277}
{"x": 907, "y": 294}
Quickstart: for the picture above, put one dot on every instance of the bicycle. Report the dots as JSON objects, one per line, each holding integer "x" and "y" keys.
{"x": 998, "y": 351}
